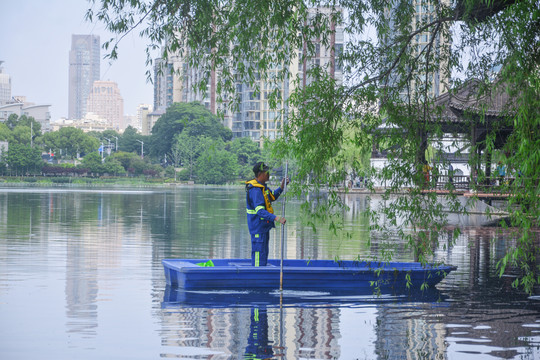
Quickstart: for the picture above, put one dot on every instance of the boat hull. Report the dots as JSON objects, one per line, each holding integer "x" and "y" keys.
{"x": 302, "y": 274}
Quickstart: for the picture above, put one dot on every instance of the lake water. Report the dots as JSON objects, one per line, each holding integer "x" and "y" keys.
{"x": 81, "y": 278}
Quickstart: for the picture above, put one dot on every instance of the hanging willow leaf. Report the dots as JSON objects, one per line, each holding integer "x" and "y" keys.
{"x": 391, "y": 53}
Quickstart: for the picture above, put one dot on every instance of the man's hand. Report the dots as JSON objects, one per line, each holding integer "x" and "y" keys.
{"x": 283, "y": 183}
{"x": 281, "y": 220}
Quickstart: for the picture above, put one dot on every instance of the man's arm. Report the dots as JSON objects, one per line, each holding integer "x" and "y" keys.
{"x": 279, "y": 190}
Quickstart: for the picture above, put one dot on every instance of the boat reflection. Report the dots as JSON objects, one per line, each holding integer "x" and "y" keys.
{"x": 282, "y": 325}
{"x": 174, "y": 297}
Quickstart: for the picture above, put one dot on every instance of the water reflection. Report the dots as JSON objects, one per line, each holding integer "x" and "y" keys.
{"x": 81, "y": 277}
{"x": 258, "y": 345}
{"x": 489, "y": 316}
{"x": 257, "y": 331}
{"x": 299, "y": 324}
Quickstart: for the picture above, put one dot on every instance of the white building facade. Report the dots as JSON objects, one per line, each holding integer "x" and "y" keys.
{"x": 105, "y": 100}
{"x": 40, "y": 113}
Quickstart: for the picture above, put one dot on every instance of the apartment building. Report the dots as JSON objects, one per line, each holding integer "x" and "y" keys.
{"x": 253, "y": 116}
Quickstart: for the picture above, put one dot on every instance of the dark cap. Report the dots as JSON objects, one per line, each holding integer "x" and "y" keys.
{"x": 260, "y": 167}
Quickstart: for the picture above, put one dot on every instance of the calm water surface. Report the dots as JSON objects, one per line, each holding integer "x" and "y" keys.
{"x": 81, "y": 278}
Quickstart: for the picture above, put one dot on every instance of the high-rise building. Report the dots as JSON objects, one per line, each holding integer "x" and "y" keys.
{"x": 105, "y": 100}
{"x": 176, "y": 81}
{"x": 5, "y": 86}
{"x": 326, "y": 56}
{"x": 253, "y": 117}
{"x": 436, "y": 82}
{"x": 84, "y": 62}
{"x": 163, "y": 85}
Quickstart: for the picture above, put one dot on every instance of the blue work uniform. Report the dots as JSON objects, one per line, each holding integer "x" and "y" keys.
{"x": 260, "y": 219}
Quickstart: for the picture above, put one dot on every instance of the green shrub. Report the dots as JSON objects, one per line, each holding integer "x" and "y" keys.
{"x": 61, "y": 180}
{"x": 169, "y": 172}
{"x": 183, "y": 175}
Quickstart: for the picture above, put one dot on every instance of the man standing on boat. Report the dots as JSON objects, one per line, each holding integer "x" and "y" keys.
{"x": 260, "y": 214}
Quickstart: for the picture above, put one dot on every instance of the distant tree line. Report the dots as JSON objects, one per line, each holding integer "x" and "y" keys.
{"x": 187, "y": 143}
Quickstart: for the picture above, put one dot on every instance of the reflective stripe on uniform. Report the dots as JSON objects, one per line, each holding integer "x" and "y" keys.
{"x": 256, "y": 258}
{"x": 253, "y": 212}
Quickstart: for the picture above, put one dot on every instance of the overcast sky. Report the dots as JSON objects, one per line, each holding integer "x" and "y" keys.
{"x": 35, "y": 40}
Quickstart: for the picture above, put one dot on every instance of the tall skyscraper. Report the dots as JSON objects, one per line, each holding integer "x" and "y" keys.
{"x": 84, "y": 61}
{"x": 105, "y": 100}
{"x": 5, "y": 86}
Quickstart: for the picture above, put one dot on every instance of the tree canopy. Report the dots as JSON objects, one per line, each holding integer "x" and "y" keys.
{"x": 193, "y": 118}
{"x": 247, "y": 153}
{"x": 201, "y": 133}
{"x": 130, "y": 141}
{"x": 393, "y": 54}
{"x": 70, "y": 141}
{"x": 215, "y": 165}
{"x": 22, "y": 159}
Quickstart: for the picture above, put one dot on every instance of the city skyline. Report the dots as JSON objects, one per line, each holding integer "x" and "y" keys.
{"x": 35, "y": 40}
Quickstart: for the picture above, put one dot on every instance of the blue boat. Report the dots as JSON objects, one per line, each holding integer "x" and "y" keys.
{"x": 326, "y": 275}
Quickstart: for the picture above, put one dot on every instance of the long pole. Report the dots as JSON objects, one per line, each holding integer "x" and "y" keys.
{"x": 283, "y": 229}
{"x": 285, "y": 119}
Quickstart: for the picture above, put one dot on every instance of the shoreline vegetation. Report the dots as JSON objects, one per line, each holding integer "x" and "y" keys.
{"x": 168, "y": 182}
{"x": 31, "y": 181}
{"x": 105, "y": 181}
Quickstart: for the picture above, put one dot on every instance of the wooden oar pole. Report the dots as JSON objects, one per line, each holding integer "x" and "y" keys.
{"x": 283, "y": 228}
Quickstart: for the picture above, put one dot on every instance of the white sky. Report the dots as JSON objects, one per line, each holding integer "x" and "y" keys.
{"x": 35, "y": 40}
